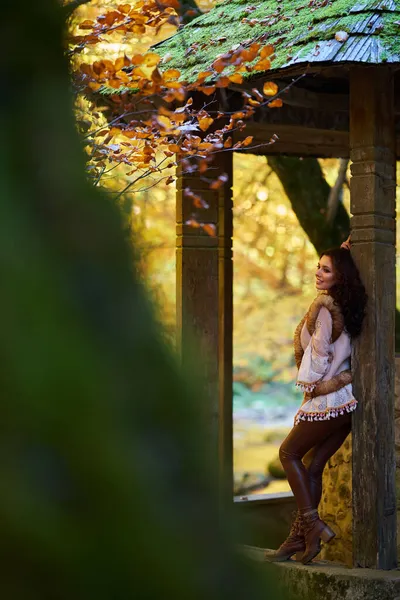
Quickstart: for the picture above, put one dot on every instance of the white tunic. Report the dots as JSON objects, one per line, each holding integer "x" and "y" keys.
{"x": 321, "y": 361}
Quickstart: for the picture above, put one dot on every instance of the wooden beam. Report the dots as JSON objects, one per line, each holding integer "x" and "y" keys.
{"x": 295, "y": 141}
{"x": 204, "y": 278}
{"x": 372, "y": 141}
{"x": 303, "y": 117}
{"x": 299, "y": 95}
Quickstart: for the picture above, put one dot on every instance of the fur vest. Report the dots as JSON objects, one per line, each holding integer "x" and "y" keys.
{"x": 342, "y": 379}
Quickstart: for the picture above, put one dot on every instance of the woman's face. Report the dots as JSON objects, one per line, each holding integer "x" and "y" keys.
{"x": 325, "y": 276}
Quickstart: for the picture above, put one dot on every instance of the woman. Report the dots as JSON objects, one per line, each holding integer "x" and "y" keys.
{"x": 322, "y": 352}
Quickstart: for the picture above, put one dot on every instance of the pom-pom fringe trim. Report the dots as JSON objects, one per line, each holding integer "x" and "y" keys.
{"x": 329, "y": 413}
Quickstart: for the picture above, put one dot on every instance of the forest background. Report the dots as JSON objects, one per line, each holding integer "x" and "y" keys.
{"x": 274, "y": 261}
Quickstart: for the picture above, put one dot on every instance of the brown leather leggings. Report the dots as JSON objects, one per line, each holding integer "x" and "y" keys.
{"x": 305, "y": 452}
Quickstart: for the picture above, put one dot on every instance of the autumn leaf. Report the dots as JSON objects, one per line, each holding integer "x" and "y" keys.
{"x": 174, "y": 148}
{"x": 210, "y": 229}
{"x": 219, "y": 65}
{"x": 157, "y": 76}
{"x": 198, "y": 202}
{"x": 270, "y": 88}
{"x": 275, "y": 103}
{"x": 203, "y": 75}
{"x": 262, "y": 65}
{"x": 94, "y": 86}
{"x": 217, "y": 183}
{"x": 151, "y": 59}
{"x": 171, "y": 74}
{"x": 164, "y": 122}
{"x": 236, "y": 78}
{"x": 137, "y": 59}
{"x": 207, "y": 90}
{"x": 86, "y": 25}
{"x": 266, "y": 51}
{"x": 228, "y": 142}
{"x": 193, "y": 223}
{"x": 205, "y": 123}
{"x": 247, "y": 141}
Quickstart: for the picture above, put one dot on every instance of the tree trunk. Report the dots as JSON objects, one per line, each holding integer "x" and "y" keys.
{"x": 308, "y": 192}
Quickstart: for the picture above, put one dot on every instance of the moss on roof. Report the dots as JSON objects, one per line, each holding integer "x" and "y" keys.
{"x": 301, "y": 32}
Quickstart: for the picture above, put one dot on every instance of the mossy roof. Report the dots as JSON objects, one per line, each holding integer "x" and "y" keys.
{"x": 301, "y": 31}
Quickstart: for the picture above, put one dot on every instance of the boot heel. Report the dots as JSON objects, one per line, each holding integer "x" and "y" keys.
{"x": 299, "y": 556}
{"x": 327, "y": 534}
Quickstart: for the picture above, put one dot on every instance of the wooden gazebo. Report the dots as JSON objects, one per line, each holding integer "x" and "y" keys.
{"x": 344, "y": 106}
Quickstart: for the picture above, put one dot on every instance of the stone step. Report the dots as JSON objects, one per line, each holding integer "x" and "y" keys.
{"x": 323, "y": 580}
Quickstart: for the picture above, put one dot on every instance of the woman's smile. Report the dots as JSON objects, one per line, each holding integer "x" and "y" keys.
{"x": 325, "y": 276}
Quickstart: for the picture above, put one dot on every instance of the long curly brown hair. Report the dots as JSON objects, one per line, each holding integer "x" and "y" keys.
{"x": 349, "y": 293}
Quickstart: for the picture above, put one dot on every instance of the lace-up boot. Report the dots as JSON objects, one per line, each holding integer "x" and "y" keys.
{"x": 294, "y": 543}
{"x": 314, "y": 530}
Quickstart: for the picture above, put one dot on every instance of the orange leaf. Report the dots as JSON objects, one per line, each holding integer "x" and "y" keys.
{"x": 173, "y": 85}
{"x": 217, "y": 183}
{"x": 236, "y": 78}
{"x": 270, "y": 88}
{"x": 203, "y": 166}
{"x": 207, "y": 90}
{"x": 210, "y": 229}
{"x": 228, "y": 142}
{"x": 124, "y": 8}
{"x": 266, "y": 51}
{"x": 156, "y": 76}
{"x": 248, "y": 140}
{"x": 164, "y": 122}
{"x": 86, "y": 25}
{"x": 171, "y": 74}
{"x": 275, "y": 103}
{"x": 138, "y": 72}
{"x": 137, "y": 59}
{"x": 119, "y": 63}
{"x": 174, "y": 148}
{"x": 193, "y": 223}
{"x": 262, "y": 65}
{"x": 205, "y": 146}
{"x": 203, "y": 75}
{"x": 198, "y": 202}
{"x": 219, "y": 65}
{"x": 94, "y": 86}
{"x": 223, "y": 82}
{"x": 151, "y": 59}
{"x": 205, "y": 123}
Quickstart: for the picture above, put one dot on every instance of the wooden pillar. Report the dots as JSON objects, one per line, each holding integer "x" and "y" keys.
{"x": 372, "y": 141}
{"x": 204, "y": 305}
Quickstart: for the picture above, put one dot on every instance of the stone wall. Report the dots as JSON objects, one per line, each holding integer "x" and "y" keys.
{"x": 336, "y": 506}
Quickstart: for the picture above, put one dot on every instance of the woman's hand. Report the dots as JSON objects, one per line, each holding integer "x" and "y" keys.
{"x": 347, "y": 244}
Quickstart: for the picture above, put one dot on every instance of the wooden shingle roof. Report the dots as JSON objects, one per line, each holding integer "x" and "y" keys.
{"x": 301, "y": 31}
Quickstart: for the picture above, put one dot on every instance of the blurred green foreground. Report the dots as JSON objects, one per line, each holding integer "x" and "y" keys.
{"x": 106, "y": 491}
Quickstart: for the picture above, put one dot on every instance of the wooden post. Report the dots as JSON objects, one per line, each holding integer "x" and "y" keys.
{"x": 372, "y": 141}
{"x": 204, "y": 277}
